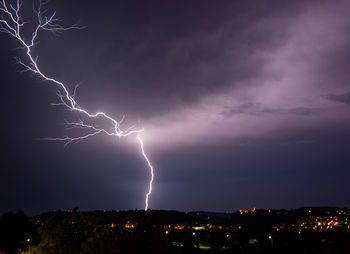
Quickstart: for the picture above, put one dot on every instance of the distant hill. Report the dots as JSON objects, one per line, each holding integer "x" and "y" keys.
{"x": 164, "y": 217}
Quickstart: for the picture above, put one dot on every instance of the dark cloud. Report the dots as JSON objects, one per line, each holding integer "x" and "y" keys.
{"x": 258, "y": 110}
{"x": 166, "y": 55}
{"x": 343, "y": 98}
{"x": 244, "y": 108}
{"x": 306, "y": 111}
{"x": 229, "y": 93}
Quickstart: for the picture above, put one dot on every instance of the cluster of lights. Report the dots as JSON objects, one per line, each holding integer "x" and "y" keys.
{"x": 129, "y": 225}
{"x": 324, "y": 223}
{"x": 337, "y": 222}
{"x": 245, "y": 211}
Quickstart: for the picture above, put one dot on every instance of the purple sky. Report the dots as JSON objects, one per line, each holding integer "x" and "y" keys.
{"x": 245, "y": 103}
{"x": 295, "y": 79}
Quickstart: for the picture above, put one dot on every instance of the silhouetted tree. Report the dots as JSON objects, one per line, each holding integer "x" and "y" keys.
{"x": 15, "y": 228}
{"x": 64, "y": 235}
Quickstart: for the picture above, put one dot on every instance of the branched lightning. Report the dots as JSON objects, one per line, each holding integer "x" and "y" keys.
{"x": 11, "y": 23}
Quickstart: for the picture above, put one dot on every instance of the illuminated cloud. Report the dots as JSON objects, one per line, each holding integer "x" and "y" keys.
{"x": 285, "y": 93}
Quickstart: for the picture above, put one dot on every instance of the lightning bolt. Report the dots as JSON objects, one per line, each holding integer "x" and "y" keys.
{"x": 152, "y": 172}
{"x": 11, "y": 23}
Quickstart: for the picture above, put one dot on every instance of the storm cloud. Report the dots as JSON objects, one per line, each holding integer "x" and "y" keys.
{"x": 246, "y": 97}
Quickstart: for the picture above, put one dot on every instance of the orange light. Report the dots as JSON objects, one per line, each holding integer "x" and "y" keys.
{"x": 129, "y": 225}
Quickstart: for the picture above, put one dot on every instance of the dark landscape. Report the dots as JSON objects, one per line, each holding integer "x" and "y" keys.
{"x": 303, "y": 230}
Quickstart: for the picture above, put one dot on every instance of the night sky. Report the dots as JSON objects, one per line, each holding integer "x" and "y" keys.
{"x": 244, "y": 103}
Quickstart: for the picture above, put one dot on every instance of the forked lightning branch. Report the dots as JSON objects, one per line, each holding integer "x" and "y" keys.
{"x": 12, "y": 23}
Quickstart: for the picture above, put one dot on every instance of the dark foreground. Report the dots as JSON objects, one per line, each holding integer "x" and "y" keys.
{"x": 304, "y": 230}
